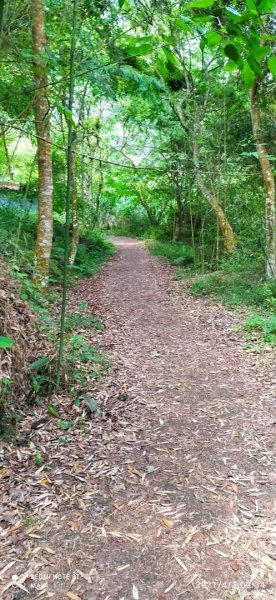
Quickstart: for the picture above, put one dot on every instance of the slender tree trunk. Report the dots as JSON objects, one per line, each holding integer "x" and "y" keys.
{"x": 10, "y": 171}
{"x": 269, "y": 184}
{"x": 179, "y": 213}
{"x": 151, "y": 217}
{"x": 75, "y": 216}
{"x": 100, "y": 188}
{"x": 228, "y": 234}
{"x": 45, "y": 195}
{"x": 83, "y": 198}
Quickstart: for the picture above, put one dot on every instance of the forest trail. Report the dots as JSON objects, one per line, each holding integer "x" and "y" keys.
{"x": 172, "y": 497}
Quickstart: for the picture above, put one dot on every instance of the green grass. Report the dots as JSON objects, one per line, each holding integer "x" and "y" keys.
{"x": 176, "y": 254}
{"x": 242, "y": 284}
{"x": 238, "y": 282}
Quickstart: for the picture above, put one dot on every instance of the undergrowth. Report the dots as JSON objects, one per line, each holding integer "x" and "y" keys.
{"x": 82, "y": 361}
{"x": 239, "y": 281}
{"x": 177, "y": 253}
{"x": 17, "y": 243}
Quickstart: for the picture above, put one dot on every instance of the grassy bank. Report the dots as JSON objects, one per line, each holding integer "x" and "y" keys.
{"x": 239, "y": 281}
{"x": 30, "y": 360}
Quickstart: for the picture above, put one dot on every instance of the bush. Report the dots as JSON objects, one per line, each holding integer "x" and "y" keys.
{"x": 177, "y": 254}
{"x": 17, "y": 243}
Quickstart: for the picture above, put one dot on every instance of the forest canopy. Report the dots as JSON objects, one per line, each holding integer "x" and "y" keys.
{"x": 152, "y": 118}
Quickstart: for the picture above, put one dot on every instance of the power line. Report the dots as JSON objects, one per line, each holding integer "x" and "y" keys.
{"x": 102, "y": 160}
{"x": 84, "y": 155}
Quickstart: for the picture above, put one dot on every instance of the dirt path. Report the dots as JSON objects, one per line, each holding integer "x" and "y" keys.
{"x": 172, "y": 496}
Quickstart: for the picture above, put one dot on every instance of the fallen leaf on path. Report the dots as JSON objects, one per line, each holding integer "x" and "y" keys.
{"x": 181, "y": 564}
{"x": 73, "y": 526}
{"x": 72, "y": 596}
{"x": 134, "y": 471}
{"x": 167, "y": 523}
{"x": 234, "y": 565}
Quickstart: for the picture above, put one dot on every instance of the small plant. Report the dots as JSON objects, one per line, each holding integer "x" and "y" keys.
{"x": 76, "y": 321}
{"x": 177, "y": 254}
{"x": 264, "y": 325}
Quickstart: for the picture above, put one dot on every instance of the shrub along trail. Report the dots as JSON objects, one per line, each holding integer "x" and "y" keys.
{"x": 170, "y": 497}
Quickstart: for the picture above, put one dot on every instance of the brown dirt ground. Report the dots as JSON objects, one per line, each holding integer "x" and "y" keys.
{"x": 170, "y": 497}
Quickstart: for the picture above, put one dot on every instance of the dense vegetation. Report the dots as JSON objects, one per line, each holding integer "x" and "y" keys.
{"x": 151, "y": 119}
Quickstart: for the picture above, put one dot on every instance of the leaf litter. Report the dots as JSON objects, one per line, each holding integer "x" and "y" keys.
{"x": 167, "y": 488}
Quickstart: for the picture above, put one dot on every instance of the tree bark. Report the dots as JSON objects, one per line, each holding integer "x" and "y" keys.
{"x": 151, "y": 217}
{"x": 269, "y": 183}
{"x": 9, "y": 167}
{"x": 228, "y": 234}
{"x": 75, "y": 208}
{"x": 45, "y": 195}
{"x": 179, "y": 213}
{"x": 99, "y": 192}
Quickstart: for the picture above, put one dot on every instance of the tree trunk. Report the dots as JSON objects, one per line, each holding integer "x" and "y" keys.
{"x": 179, "y": 213}
{"x": 75, "y": 209}
{"x": 269, "y": 184}
{"x": 228, "y": 234}
{"x": 143, "y": 202}
{"x": 100, "y": 188}
{"x": 9, "y": 167}
{"x": 45, "y": 195}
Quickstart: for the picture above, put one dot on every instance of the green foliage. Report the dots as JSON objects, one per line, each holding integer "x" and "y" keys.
{"x": 177, "y": 254}
{"x": 18, "y": 245}
{"x": 238, "y": 281}
{"x": 75, "y": 321}
{"x": 264, "y": 325}
{"x": 5, "y": 342}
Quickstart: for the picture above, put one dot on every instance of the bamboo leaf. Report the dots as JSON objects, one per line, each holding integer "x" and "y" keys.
{"x": 200, "y": 4}
{"x": 39, "y": 363}
{"x": 5, "y": 342}
{"x": 232, "y": 52}
{"x": 272, "y": 65}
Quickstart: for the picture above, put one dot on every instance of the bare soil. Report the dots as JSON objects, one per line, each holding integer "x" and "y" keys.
{"x": 170, "y": 496}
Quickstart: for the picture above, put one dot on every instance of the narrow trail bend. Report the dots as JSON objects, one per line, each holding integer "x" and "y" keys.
{"x": 172, "y": 498}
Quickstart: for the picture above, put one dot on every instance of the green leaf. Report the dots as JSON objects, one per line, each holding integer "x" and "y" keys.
{"x": 65, "y": 424}
{"x": 232, "y": 52}
{"x": 92, "y": 405}
{"x": 5, "y": 342}
{"x": 171, "y": 57}
{"x": 272, "y": 65}
{"x": 266, "y": 6}
{"x": 63, "y": 110}
{"x": 161, "y": 67}
{"x": 233, "y": 14}
{"x": 64, "y": 439}
{"x": 40, "y": 362}
{"x": 260, "y": 52}
{"x": 248, "y": 75}
{"x": 39, "y": 458}
{"x": 141, "y": 50}
{"x": 213, "y": 39}
{"x": 182, "y": 24}
{"x": 53, "y": 411}
{"x": 254, "y": 65}
{"x": 200, "y": 4}
{"x": 255, "y": 154}
{"x": 251, "y": 5}
{"x": 231, "y": 66}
